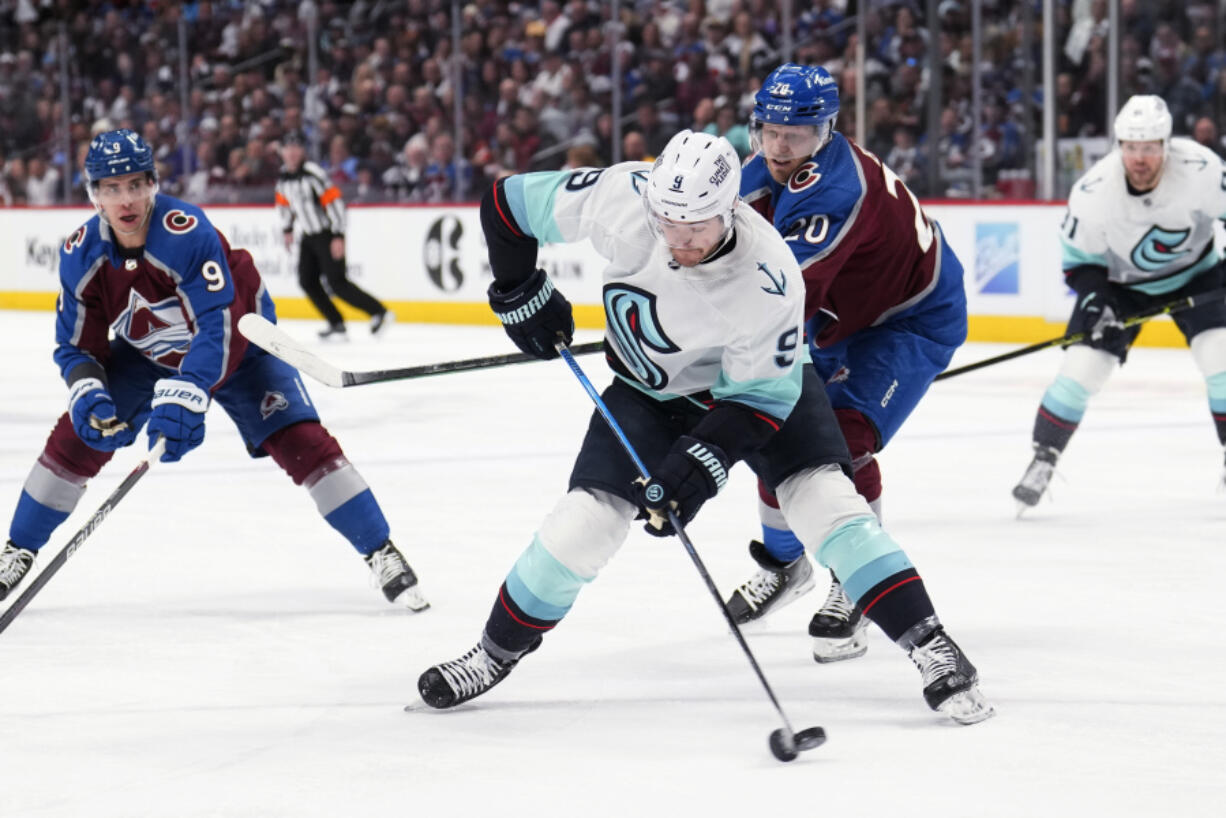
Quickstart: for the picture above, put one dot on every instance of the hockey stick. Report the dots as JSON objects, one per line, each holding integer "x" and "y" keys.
{"x": 1178, "y": 305}
{"x": 95, "y": 520}
{"x": 268, "y": 336}
{"x": 784, "y": 742}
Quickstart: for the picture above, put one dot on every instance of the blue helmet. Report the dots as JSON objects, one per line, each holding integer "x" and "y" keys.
{"x": 797, "y": 95}
{"x": 117, "y": 153}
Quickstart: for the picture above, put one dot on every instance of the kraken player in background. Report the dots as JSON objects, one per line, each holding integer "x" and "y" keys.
{"x": 1139, "y": 232}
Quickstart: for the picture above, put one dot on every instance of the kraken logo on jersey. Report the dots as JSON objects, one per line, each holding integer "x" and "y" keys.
{"x": 158, "y": 331}
{"x": 634, "y": 324}
{"x": 1157, "y": 248}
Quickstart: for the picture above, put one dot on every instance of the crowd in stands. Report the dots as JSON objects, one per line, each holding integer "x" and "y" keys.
{"x": 536, "y": 82}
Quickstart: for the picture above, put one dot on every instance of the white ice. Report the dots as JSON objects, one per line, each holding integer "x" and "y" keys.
{"x": 214, "y": 648}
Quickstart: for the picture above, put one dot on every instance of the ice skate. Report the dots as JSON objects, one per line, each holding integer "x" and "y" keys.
{"x": 1036, "y": 479}
{"x": 839, "y": 628}
{"x": 773, "y": 586}
{"x": 334, "y": 332}
{"x": 455, "y": 682}
{"x": 380, "y": 321}
{"x": 14, "y": 565}
{"x": 951, "y": 683}
{"x": 395, "y": 578}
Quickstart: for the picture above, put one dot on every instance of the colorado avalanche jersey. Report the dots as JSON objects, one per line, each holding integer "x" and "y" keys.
{"x": 177, "y": 301}
{"x": 1154, "y": 242}
{"x": 730, "y": 327}
{"x": 866, "y": 249}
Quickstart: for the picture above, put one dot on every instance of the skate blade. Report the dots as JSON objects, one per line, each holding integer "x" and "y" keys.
{"x": 412, "y": 599}
{"x": 967, "y": 707}
{"x": 826, "y": 650}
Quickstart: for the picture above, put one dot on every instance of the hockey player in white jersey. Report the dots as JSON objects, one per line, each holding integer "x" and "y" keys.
{"x": 1139, "y": 232}
{"x": 704, "y": 308}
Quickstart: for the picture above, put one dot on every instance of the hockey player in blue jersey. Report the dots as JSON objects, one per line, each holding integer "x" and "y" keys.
{"x": 1139, "y": 232}
{"x": 152, "y": 272}
{"x": 704, "y": 319}
{"x": 885, "y": 310}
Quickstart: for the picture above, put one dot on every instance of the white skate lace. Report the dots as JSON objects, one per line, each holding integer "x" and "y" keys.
{"x": 837, "y": 604}
{"x": 471, "y": 673}
{"x": 760, "y": 587}
{"x": 14, "y": 563}
{"x": 936, "y": 659}
{"x": 386, "y": 564}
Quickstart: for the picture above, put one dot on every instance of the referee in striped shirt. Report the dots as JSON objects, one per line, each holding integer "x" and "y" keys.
{"x": 305, "y": 197}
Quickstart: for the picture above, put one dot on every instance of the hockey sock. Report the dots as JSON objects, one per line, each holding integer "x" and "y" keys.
{"x": 512, "y": 629}
{"x": 778, "y": 538}
{"x": 48, "y": 497}
{"x": 781, "y": 544}
{"x": 877, "y": 574}
{"x": 537, "y": 593}
{"x": 1063, "y": 406}
{"x": 1217, "y": 403}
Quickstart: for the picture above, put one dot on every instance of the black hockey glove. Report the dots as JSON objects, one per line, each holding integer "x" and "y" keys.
{"x": 535, "y": 315}
{"x": 691, "y": 473}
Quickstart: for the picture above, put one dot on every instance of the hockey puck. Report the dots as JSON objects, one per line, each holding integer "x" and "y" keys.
{"x": 783, "y": 745}
{"x": 810, "y": 738}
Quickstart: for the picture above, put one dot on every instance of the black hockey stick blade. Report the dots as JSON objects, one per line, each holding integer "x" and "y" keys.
{"x": 95, "y": 520}
{"x": 268, "y": 336}
{"x": 1178, "y": 305}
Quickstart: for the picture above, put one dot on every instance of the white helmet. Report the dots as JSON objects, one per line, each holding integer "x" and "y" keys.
{"x": 696, "y": 177}
{"x": 1144, "y": 118}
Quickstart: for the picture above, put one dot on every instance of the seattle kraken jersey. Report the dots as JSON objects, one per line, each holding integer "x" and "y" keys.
{"x": 178, "y": 303}
{"x": 1154, "y": 242}
{"x": 866, "y": 249}
{"x": 730, "y": 326}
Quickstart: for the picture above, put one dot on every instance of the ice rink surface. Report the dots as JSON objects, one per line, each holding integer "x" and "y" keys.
{"x": 214, "y": 648}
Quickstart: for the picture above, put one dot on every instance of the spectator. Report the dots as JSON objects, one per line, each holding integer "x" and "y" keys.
{"x": 1205, "y": 132}
{"x": 405, "y": 181}
{"x": 729, "y": 125}
{"x": 42, "y": 183}
{"x": 634, "y": 148}
{"x": 651, "y": 126}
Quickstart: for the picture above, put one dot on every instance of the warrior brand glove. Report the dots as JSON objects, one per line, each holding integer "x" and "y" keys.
{"x": 692, "y": 472}
{"x": 178, "y": 416}
{"x": 93, "y": 417}
{"x": 535, "y": 315}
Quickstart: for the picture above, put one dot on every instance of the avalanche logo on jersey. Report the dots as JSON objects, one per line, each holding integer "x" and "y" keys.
{"x": 634, "y": 324}
{"x": 1157, "y": 249}
{"x": 178, "y": 222}
{"x": 158, "y": 331}
{"x": 272, "y": 402}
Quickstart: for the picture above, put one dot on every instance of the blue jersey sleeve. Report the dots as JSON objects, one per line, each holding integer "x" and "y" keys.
{"x": 81, "y": 331}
